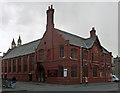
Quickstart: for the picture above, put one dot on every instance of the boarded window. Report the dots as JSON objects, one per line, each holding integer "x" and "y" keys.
{"x": 60, "y": 71}
{"x": 73, "y": 71}
{"x": 61, "y": 51}
{"x": 94, "y": 72}
{"x": 74, "y": 53}
{"x": 41, "y": 54}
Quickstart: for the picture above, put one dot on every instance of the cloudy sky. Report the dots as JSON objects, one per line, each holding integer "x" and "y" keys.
{"x": 28, "y": 19}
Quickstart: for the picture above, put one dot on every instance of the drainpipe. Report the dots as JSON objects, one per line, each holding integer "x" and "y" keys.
{"x": 81, "y": 64}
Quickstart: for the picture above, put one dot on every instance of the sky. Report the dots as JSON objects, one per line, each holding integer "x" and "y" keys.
{"x": 28, "y": 19}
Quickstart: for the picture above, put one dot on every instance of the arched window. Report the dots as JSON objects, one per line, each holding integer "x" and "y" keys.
{"x": 95, "y": 71}
{"x": 102, "y": 57}
{"x": 5, "y": 65}
{"x": 9, "y": 65}
{"x": 14, "y": 65}
{"x": 32, "y": 62}
{"x": 61, "y": 51}
{"x": 74, "y": 53}
{"x": 41, "y": 54}
{"x": 85, "y": 54}
{"x": 25, "y": 63}
{"x": 19, "y": 64}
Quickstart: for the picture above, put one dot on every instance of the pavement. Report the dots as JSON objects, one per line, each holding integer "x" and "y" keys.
{"x": 32, "y": 86}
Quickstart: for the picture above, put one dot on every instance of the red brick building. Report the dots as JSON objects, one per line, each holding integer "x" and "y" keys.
{"x": 58, "y": 57}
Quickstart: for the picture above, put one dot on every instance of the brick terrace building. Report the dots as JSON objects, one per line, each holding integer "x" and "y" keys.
{"x": 116, "y": 70}
{"x": 58, "y": 57}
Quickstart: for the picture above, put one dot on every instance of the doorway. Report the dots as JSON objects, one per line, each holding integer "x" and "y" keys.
{"x": 30, "y": 77}
{"x": 41, "y": 74}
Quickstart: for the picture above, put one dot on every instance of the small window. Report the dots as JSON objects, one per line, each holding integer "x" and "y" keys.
{"x": 60, "y": 71}
{"x": 73, "y": 71}
{"x": 41, "y": 54}
{"x": 61, "y": 51}
{"x": 94, "y": 72}
{"x": 74, "y": 53}
{"x": 85, "y": 54}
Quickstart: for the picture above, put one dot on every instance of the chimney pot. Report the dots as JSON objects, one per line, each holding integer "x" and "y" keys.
{"x": 51, "y": 6}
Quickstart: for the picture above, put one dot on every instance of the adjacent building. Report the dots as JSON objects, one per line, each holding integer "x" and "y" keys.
{"x": 116, "y": 70}
{"x": 58, "y": 57}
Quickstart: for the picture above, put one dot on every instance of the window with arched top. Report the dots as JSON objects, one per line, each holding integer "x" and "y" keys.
{"x": 85, "y": 54}
{"x": 41, "y": 54}
{"x": 74, "y": 53}
{"x": 9, "y": 65}
{"x": 19, "y": 64}
{"x": 102, "y": 57}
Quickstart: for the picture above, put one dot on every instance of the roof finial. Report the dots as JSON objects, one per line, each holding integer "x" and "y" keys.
{"x": 93, "y": 28}
{"x": 51, "y": 6}
{"x": 48, "y": 7}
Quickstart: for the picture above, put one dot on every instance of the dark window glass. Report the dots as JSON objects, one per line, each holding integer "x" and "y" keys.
{"x": 14, "y": 65}
{"x": 85, "y": 55}
{"x": 9, "y": 65}
{"x": 102, "y": 72}
{"x": 41, "y": 54}
{"x": 32, "y": 63}
{"x": 94, "y": 72}
{"x": 19, "y": 64}
{"x": 85, "y": 71}
{"x": 5, "y": 65}
{"x": 102, "y": 57}
{"x": 74, "y": 53}
{"x": 61, "y": 51}
{"x": 25, "y": 63}
{"x": 73, "y": 71}
{"x": 2, "y": 67}
{"x": 94, "y": 56}
{"x": 60, "y": 71}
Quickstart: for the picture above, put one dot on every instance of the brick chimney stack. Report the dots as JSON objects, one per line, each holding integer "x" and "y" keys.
{"x": 50, "y": 17}
{"x": 93, "y": 32}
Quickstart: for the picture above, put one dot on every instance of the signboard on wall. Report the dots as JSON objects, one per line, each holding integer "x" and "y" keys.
{"x": 65, "y": 72}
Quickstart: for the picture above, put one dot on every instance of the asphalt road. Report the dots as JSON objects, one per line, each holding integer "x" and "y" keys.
{"x": 30, "y": 86}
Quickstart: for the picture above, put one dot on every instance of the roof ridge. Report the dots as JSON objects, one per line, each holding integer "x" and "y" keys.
{"x": 70, "y": 33}
{"x": 29, "y": 42}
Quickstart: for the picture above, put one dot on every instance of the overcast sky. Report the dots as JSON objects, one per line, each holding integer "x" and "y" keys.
{"x": 29, "y": 21}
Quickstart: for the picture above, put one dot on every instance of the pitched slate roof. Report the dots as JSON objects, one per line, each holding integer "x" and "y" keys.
{"x": 78, "y": 41}
{"x": 81, "y": 42}
{"x": 25, "y": 49}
